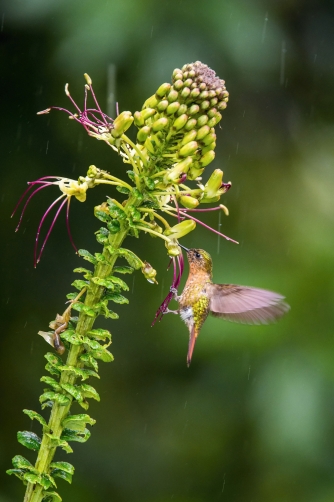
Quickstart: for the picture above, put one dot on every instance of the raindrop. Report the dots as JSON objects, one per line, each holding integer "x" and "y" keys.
{"x": 111, "y": 90}
{"x": 2, "y": 21}
{"x": 47, "y": 147}
{"x": 264, "y": 27}
{"x": 133, "y": 285}
{"x": 248, "y": 373}
{"x": 282, "y": 72}
{"x": 219, "y": 225}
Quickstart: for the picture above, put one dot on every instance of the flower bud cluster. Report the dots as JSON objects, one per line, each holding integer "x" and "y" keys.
{"x": 177, "y": 124}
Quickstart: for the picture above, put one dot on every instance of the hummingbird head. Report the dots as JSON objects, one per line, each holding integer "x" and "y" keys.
{"x": 199, "y": 261}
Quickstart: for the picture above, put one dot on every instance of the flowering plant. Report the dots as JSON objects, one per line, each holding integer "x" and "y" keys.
{"x": 176, "y": 141}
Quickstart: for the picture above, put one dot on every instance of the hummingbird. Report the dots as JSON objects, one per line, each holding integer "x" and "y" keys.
{"x": 231, "y": 302}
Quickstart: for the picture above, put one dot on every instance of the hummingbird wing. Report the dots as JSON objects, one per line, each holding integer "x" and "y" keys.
{"x": 244, "y": 304}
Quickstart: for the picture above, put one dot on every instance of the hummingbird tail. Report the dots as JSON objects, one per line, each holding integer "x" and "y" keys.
{"x": 191, "y": 346}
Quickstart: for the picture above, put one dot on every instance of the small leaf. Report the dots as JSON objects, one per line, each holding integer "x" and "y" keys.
{"x": 103, "y": 282}
{"x": 100, "y": 257}
{"x": 52, "y": 382}
{"x": 71, "y": 296}
{"x": 131, "y": 175}
{"x": 61, "y": 399}
{"x": 29, "y": 439}
{"x": 122, "y": 189}
{"x": 70, "y": 336}
{"x": 103, "y": 309}
{"x": 119, "y": 282}
{"x": 20, "y": 462}
{"x": 80, "y": 307}
{"x": 79, "y": 284}
{"x": 77, "y": 422}
{"x": 115, "y": 297}
{"x": 102, "y": 354}
{"x": 60, "y": 443}
{"x": 64, "y": 466}
{"x": 52, "y": 369}
{"x": 101, "y": 215}
{"x": 33, "y": 415}
{"x": 89, "y": 360}
{"x": 79, "y": 436}
{"x": 53, "y": 359}
{"x": 100, "y": 334}
{"x": 58, "y": 473}
{"x": 89, "y": 391}
{"x": 114, "y": 226}
{"x": 73, "y": 391}
{"x": 32, "y": 478}
{"x": 131, "y": 258}
{"x": 83, "y": 373}
{"x": 81, "y": 270}
{"x": 91, "y": 343}
{"x": 17, "y": 472}
{"x": 87, "y": 256}
{"x": 51, "y": 497}
{"x": 123, "y": 270}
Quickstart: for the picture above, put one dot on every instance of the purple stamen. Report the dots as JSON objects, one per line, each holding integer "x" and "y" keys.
{"x": 49, "y": 231}
{"x": 176, "y": 281}
{"x": 207, "y": 226}
{"x": 68, "y": 224}
{"x": 28, "y": 200}
{"x": 31, "y": 184}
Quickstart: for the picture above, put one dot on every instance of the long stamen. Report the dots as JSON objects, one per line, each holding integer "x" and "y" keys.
{"x": 49, "y": 231}
{"x": 207, "y": 226}
{"x": 31, "y": 184}
{"x": 27, "y": 202}
{"x": 68, "y": 224}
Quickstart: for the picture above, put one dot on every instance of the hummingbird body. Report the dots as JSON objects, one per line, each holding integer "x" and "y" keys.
{"x": 201, "y": 296}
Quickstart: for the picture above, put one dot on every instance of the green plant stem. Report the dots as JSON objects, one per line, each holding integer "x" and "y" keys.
{"x": 34, "y": 492}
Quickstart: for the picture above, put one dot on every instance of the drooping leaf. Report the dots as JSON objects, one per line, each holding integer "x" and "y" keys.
{"x": 100, "y": 334}
{"x": 52, "y": 369}
{"x": 102, "y": 354}
{"x": 100, "y": 257}
{"x": 89, "y": 360}
{"x": 115, "y": 297}
{"x": 93, "y": 344}
{"x": 89, "y": 391}
{"x": 81, "y": 270}
{"x": 73, "y": 391}
{"x": 79, "y": 436}
{"x": 20, "y": 462}
{"x": 80, "y": 307}
{"x": 33, "y": 415}
{"x": 78, "y": 422}
{"x": 106, "y": 283}
{"x": 123, "y": 270}
{"x": 64, "y": 466}
{"x": 53, "y": 359}
{"x": 101, "y": 215}
{"x": 122, "y": 189}
{"x": 52, "y": 382}
{"x": 61, "y": 399}
{"x": 71, "y": 337}
{"x": 119, "y": 282}
{"x": 86, "y": 255}
{"x": 79, "y": 284}
{"x": 58, "y": 473}
{"x": 60, "y": 443}
{"x": 114, "y": 226}
{"x": 29, "y": 439}
{"x": 103, "y": 309}
{"x": 51, "y": 497}
{"x": 17, "y": 472}
{"x": 83, "y": 373}
{"x": 131, "y": 258}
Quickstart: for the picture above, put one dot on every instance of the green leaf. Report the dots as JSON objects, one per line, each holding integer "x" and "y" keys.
{"x": 64, "y": 466}
{"x": 80, "y": 307}
{"x": 100, "y": 257}
{"x": 52, "y": 382}
{"x": 70, "y": 336}
{"x": 60, "y": 443}
{"x": 86, "y": 255}
{"x": 79, "y": 436}
{"x": 122, "y": 189}
{"x": 89, "y": 360}
{"x": 89, "y": 391}
{"x": 81, "y": 270}
{"x": 33, "y": 415}
{"x": 115, "y": 297}
{"x": 131, "y": 175}
{"x": 149, "y": 183}
{"x": 58, "y": 473}
{"x": 102, "y": 235}
{"x": 102, "y": 354}
{"x": 53, "y": 359}
{"x": 100, "y": 334}
{"x": 61, "y": 399}
{"x": 52, "y": 369}
{"x": 20, "y": 462}
{"x": 115, "y": 211}
{"x": 123, "y": 270}
{"x": 83, "y": 373}
{"x": 103, "y": 282}
{"x": 119, "y": 282}
{"x": 29, "y": 439}
{"x": 77, "y": 422}
{"x": 103, "y": 309}
{"x": 17, "y": 472}
{"x": 79, "y": 284}
{"x": 73, "y": 391}
{"x": 91, "y": 343}
{"x": 101, "y": 215}
{"x": 51, "y": 497}
{"x": 32, "y": 478}
{"x": 114, "y": 226}
{"x": 131, "y": 258}
{"x": 71, "y": 296}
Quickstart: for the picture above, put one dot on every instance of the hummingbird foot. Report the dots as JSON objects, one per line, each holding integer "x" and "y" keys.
{"x": 174, "y": 291}
{"x": 168, "y": 311}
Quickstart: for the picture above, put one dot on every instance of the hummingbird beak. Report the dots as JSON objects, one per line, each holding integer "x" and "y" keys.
{"x": 183, "y": 247}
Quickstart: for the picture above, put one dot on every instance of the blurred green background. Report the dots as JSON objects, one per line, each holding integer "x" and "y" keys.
{"x": 252, "y": 419}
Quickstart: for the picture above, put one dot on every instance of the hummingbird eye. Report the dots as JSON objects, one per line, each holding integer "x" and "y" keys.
{"x": 198, "y": 255}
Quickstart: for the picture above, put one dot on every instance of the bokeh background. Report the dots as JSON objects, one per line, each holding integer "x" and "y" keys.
{"x": 252, "y": 419}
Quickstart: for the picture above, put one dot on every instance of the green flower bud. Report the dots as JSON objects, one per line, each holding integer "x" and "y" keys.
{"x": 177, "y": 71}
{"x": 214, "y": 121}
{"x": 149, "y": 272}
{"x": 180, "y": 122}
{"x": 172, "y": 248}
{"x": 93, "y": 171}
{"x": 191, "y": 74}
{"x": 178, "y": 84}
{"x": 210, "y": 200}
{"x": 210, "y": 138}
{"x": 195, "y": 93}
{"x": 147, "y": 113}
{"x": 205, "y": 105}
{"x": 173, "y": 108}
{"x": 213, "y": 184}
{"x": 162, "y": 105}
{"x": 185, "y": 75}
{"x": 204, "y": 94}
{"x": 202, "y": 120}
{"x": 190, "y": 136}
{"x": 121, "y": 124}
{"x": 149, "y": 146}
{"x": 194, "y": 173}
{"x": 181, "y": 229}
{"x": 178, "y": 76}
{"x": 211, "y": 146}
{"x": 188, "y": 149}
{"x": 190, "y": 124}
{"x": 221, "y": 105}
{"x": 188, "y": 82}
{"x": 212, "y": 94}
{"x": 207, "y": 158}
{"x": 202, "y": 132}
{"x": 188, "y": 201}
{"x": 174, "y": 173}
{"x": 151, "y": 102}
{"x": 185, "y": 92}
{"x": 138, "y": 119}
{"x": 211, "y": 113}
{"x": 160, "y": 124}
{"x": 202, "y": 86}
{"x": 193, "y": 110}
{"x": 143, "y": 133}
{"x": 183, "y": 109}
{"x": 213, "y": 101}
{"x": 163, "y": 90}
{"x": 172, "y": 96}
